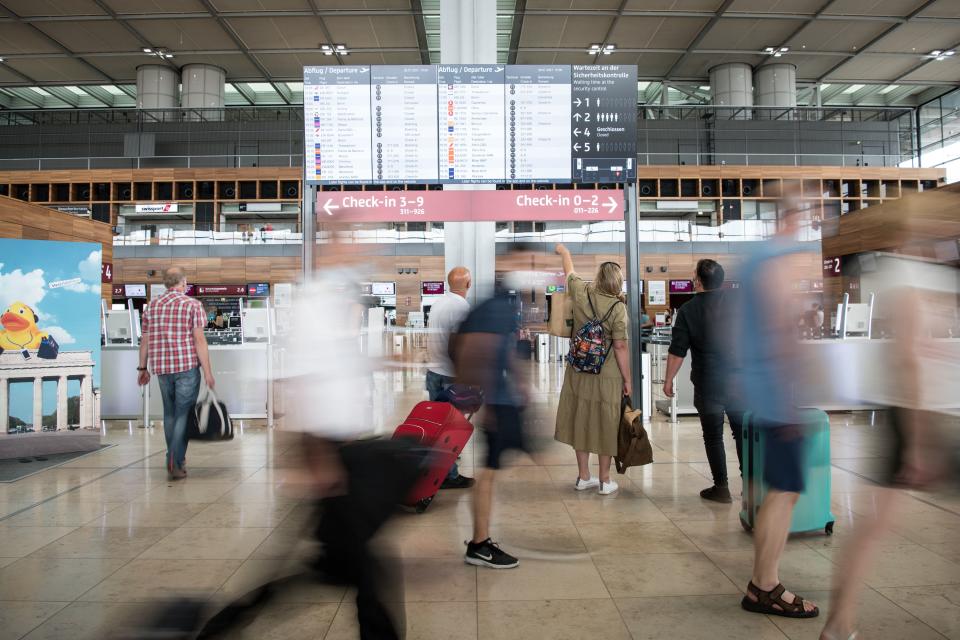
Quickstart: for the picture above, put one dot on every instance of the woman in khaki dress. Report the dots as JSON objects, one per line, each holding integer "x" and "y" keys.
{"x": 588, "y": 417}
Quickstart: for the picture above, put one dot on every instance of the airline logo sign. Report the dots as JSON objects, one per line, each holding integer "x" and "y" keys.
{"x": 469, "y": 206}
{"x": 157, "y": 207}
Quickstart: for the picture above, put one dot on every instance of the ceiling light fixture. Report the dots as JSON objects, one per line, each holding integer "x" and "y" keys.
{"x": 605, "y": 49}
{"x": 939, "y": 54}
{"x": 776, "y": 52}
{"x": 330, "y": 49}
{"x": 160, "y": 52}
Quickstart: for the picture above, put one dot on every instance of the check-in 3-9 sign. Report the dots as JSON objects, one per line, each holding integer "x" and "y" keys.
{"x": 593, "y": 205}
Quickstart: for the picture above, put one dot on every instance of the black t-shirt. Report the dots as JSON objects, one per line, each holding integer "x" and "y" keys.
{"x": 702, "y": 327}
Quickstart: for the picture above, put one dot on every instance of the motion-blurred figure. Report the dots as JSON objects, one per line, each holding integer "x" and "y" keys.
{"x": 768, "y": 347}
{"x": 484, "y": 354}
{"x": 918, "y": 383}
{"x": 327, "y": 382}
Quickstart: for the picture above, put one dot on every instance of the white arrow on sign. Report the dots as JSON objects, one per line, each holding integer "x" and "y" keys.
{"x": 329, "y": 205}
{"x": 576, "y": 146}
{"x": 577, "y": 102}
{"x": 363, "y": 69}
{"x": 576, "y": 133}
{"x": 611, "y": 204}
{"x": 577, "y": 117}
{"x": 499, "y": 69}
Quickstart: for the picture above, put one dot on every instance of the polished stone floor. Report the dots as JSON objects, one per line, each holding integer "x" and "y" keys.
{"x": 85, "y": 546}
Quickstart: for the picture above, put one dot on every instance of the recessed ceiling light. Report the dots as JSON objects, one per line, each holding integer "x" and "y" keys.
{"x": 704, "y": 87}
{"x": 887, "y": 89}
{"x": 853, "y": 88}
{"x": 2, "y": 59}
{"x": 769, "y": 49}
{"x": 147, "y": 50}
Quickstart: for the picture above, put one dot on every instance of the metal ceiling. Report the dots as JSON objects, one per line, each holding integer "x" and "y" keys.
{"x": 84, "y": 53}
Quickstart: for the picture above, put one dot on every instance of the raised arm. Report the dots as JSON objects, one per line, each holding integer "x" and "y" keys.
{"x": 564, "y": 254}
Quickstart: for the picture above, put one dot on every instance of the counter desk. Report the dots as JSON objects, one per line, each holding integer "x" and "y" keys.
{"x": 241, "y": 373}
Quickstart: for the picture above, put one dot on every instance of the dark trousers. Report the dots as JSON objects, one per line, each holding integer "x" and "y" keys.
{"x": 712, "y": 410}
{"x": 379, "y": 475}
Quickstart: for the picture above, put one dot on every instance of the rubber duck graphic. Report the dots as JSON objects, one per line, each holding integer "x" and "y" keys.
{"x": 20, "y": 330}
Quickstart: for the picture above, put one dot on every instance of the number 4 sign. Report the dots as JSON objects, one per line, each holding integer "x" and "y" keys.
{"x": 106, "y": 272}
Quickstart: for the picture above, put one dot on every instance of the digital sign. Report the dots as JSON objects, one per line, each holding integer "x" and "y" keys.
{"x": 135, "y": 290}
{"x": 432, "y": 288}
{"x": 258, "y": 289}
{"x": 681, "y": 286}
{"x": 374, "y": 124}
{"x": 221, "y": 290}
{"x": 383, "y": 288}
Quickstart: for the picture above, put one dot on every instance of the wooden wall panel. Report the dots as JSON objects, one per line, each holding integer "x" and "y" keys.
{"x": 34, "y": 222}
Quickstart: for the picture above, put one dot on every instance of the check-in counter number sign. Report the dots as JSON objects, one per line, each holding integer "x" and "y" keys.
{"x": 832, "y": 267}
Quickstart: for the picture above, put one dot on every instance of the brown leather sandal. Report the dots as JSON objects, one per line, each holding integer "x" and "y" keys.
{"x": 767, "y": 602}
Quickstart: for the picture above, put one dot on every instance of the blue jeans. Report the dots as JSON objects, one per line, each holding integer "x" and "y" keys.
{"x": 436, "y": 383}
{"x": 179, "y": 392}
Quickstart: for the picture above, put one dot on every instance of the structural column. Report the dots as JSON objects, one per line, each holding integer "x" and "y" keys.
{"x": 86, "y": 402}
{"x": 38, "y": 404}
{"x": 468, "y": 35}
{"x": 156, "y": 87}
{"x": 62, "y": 403}
{"x": 4, "y": 404}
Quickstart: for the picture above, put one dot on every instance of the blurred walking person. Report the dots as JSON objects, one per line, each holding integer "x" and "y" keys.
{"x": 327, "y": 384}
{"x": 445, "y": 316}
{"x": 174, "y": 348}
{"x": 485, "y": 356}
{"x": 918, "y": 384}
{"x": 588, "y": 416}
{"x": 767, "y": 343}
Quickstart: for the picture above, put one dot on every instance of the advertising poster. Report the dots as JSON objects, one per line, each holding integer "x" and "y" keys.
{"x": 658, "y": 292}
{"x": 49, "y": 335}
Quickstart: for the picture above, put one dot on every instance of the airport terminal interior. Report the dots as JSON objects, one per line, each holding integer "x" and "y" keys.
{"x": 298, "y": 197}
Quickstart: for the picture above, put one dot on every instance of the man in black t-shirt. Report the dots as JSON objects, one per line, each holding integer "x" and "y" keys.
{"x": 699, "y": 326}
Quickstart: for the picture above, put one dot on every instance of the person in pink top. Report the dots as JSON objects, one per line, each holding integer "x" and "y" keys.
{"x": 174, "y": 348}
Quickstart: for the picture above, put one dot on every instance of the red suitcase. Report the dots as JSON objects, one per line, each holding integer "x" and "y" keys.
{"x": 441, "y": 427}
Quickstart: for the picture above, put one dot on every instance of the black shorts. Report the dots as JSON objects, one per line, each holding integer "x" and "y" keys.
{"x": 783, "y": 457}
{"x": 504, "y": 431}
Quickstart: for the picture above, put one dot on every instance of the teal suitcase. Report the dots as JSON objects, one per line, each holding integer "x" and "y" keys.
{"x": 812, "y": 512}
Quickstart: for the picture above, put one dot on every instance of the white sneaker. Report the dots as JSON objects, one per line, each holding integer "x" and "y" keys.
{"x": 606, "y": 488}
{"x": 582, "y": 485}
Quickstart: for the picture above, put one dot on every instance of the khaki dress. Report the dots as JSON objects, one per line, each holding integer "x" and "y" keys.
{"x": 588, "y": 416}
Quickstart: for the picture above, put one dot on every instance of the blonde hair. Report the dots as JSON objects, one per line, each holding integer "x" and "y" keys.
{"x": 609, "y": 279}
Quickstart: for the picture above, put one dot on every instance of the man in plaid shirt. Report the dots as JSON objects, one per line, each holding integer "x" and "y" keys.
{"x": 175, "y": 347}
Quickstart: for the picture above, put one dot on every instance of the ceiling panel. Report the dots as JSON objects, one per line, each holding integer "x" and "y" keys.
{"x": 837, "y": 35}
{"x": 25, "y": 8}
{"x": 56, "y": 70}
{"x": 92, "y": 36}
{"x": 279, "y": 33}
{"x": 937, "y": 71}
{"x": 748, "y": 34}
{"x": 156, "y": 6}
{"x": 777, "y": 6}
{"x": 261, "y": 5}
{"x": 8, "y": 76}
{"x": 658, "y": 33}
{"x": 184, "y": 35}
{"x": 866, "y": 68}
{"x": 697, "y": 65}
{"x": 362, "y": 4}
{"x": 536, "y": 57}
{"x": 359, "y": 32}
{"x": 16, "y": 38}
{"x": 920, "y": 37}
{"x": 393, "y": 31}
{"x": 673, "y": 5}
{"x": 812, "y": 67}
{"x": 124, "y": 69}
{"x": 599, "y": 5}
{"x": 942, "y": 9}
{"x": 875, "y": 7}
{"x": 236, "y": 65}
{"x": 556, "y": 31}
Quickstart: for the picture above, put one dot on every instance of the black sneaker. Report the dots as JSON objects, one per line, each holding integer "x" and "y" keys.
{"x": 488, "y": 554}
{"x": 460, "y": 482}
{"x": 717, "y": 494}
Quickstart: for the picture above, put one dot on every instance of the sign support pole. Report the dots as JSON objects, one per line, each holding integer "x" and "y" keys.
{"x": 634, "y": 301}
{"x": 309, "y": 228}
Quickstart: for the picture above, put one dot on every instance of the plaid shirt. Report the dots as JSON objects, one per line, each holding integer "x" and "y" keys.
{"x": 168, "y": 323}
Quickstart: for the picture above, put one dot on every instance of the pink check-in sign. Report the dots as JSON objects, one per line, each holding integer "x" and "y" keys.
{"x": 592, "y": 205}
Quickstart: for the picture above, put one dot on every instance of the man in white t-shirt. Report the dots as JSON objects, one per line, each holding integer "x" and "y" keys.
{"x": 445, "y": 316}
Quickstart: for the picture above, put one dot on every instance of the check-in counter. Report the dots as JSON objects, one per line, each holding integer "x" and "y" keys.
{"x": 240, "y": 371}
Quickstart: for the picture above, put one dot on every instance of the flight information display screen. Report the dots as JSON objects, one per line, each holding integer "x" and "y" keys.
{"x": 370, "y": 124}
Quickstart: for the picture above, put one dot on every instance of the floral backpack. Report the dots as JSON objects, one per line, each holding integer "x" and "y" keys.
{"x": 588, "y": 347}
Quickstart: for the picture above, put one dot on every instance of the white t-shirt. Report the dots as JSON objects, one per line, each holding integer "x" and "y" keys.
{"x": 445, "y": 316}
{"x": 326, "y": 377}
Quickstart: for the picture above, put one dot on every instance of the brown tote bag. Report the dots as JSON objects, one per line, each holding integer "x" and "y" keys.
{"x": 633, "y": 444}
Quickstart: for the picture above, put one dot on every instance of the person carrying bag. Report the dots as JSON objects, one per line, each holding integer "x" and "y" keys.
{"x": 633, "y": 443}
{"x": 209, "y": 419}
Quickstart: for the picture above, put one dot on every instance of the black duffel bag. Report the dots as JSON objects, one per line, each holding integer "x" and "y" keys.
{"x": 209, "y": 419}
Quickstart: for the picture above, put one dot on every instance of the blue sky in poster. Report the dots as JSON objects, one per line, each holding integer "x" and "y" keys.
{"x": 69, "y": 310}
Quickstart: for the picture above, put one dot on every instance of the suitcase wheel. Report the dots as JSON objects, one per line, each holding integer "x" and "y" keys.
{"x": 422, "y": 505}
{"x": 829, "y": 528}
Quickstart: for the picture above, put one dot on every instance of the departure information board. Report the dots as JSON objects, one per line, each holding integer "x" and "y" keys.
{"x": 469, "y": 123}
